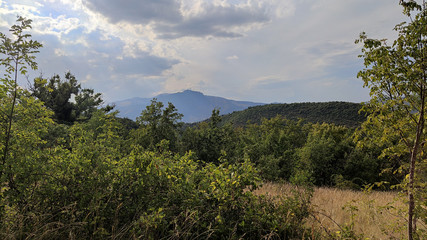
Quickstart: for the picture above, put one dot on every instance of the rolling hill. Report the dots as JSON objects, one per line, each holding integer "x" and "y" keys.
{"x": 339, "y": 113}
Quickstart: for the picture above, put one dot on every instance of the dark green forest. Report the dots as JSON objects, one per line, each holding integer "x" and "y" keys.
{"x": 339, "y": 113}
{"x": 70, "y": 168}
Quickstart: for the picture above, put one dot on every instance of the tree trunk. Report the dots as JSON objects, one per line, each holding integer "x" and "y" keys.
{"x": 411, "y": 196}
{"x": 417, "y": 143}
{"x": 10, "y": 119}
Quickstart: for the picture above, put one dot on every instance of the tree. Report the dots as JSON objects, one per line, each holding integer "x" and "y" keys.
{"x": 325, "y": 152}
{"x": 24, "y": 121}
{"x": 211, "y": 141}
{"x": 58, "y": 96}
{"x": 272, "y": 145}
{"x": 87, "y": 102}
{"x": 397, "y": 78}
{"x": 18, "y": 57}
{"x": 158, "y": 123}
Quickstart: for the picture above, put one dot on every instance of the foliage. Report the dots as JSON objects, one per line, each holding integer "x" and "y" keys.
{"x": 22, "y": 118}
{"x": 210, "y": 141}
{"x": 66, "y": 98}
{"x": 397, "y": 78}
{"x": 347, "y": 230}
{"x": 324, "y": 155}
{"x": 95, "y": 191}
{"x": 272, "y": 146}
{"x": 157, "y": 123}
{"x": 339, "y": 113}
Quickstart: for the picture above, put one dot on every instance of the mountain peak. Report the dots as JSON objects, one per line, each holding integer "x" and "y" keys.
{"x": 187, "y": 92}
{"x": 193, "y": 104}
{"x": 192, "y": 92}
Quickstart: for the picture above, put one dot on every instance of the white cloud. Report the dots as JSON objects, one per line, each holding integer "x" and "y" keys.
{"x": 23, "y": 9}
{"x": 56, "y": 26}
{"x": 234, "y": 57}
{"x": 60, "y": 52}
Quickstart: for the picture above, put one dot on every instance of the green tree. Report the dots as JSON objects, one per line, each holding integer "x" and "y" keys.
{"x": 272, "y": 145}
{"x": 397, "y": 78}
{"x": 325, "y": 152}
{"x": 58, "y": 96}
{"x": 18, "y": 56}
{"x": 362, "y": 166}
{"x": 24, "y": 122}
{"x": 158, "y": 123}
{"x": 210, "y": 141}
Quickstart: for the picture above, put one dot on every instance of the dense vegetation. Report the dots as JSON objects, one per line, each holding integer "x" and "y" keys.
{"x": 297, "y": 151}
{"x": 397, "y": 78}
{"x": 338, "y": 113}
{"x": 70, "y": 169}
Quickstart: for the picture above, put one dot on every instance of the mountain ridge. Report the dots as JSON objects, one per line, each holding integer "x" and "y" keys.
{"x": 335, "y": 112}
{"x": 194, "y": 105}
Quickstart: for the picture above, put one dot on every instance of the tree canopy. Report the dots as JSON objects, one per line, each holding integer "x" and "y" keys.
{"x": 397, "y": 78}
{"x": 66, "y": 98}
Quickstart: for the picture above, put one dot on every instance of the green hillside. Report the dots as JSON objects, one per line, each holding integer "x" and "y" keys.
{"x": 339, "y": 113}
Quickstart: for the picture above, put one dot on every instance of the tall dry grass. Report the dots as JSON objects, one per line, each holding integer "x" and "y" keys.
{"x": 376, "y": 215}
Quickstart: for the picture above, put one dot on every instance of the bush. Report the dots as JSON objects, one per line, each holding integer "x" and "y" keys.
{"x": 92, "y": 190}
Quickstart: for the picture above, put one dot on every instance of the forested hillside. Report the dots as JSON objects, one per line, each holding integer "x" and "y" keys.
{"x": 338, "y": 113}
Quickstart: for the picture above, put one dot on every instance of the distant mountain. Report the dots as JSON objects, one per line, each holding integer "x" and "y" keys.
{"x": 339, "y": 113}
{"x": 194, "y": 105}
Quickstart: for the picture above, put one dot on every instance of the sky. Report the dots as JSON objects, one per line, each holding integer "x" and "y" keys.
{"x": 255, "y": 50}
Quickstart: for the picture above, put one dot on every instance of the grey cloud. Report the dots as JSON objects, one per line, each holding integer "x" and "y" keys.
{"x": 146, "y": 65}
{"x": 216, "y": 21}
{"x": 272, "y": 85}
{"x": 168, "y": 22}
{"x": 137, "y": 11}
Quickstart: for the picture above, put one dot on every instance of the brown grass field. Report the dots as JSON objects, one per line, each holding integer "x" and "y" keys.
{"x": 374, "y": 215}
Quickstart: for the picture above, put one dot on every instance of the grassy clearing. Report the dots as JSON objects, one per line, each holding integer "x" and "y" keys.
{"x": 376, "y": 215}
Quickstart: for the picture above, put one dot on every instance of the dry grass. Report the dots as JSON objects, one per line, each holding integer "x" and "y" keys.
{"x": 376, "y": 215}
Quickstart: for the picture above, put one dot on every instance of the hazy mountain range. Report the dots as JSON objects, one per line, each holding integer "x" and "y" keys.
{"x": 194, "y": 105}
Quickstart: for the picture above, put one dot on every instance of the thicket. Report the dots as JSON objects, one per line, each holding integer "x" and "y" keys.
{"x": 294, "y": 151}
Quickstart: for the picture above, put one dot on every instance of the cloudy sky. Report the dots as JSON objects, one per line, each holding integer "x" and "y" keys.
{"x": 257, "y": 50}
